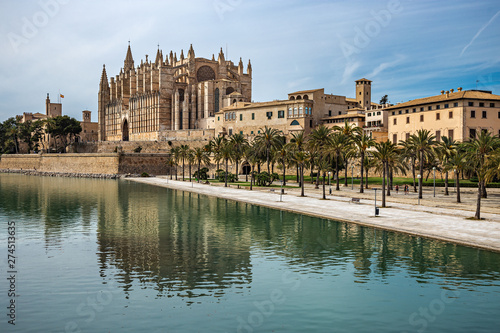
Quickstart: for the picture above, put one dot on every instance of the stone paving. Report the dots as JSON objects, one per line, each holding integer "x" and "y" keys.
{"x": 436, "y": 217}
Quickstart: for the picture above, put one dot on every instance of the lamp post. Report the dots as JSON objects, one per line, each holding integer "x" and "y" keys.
{"x": 376, "y": 209}
{"x": 352, "y": 177}
{"x": 329, "y": 183}
{"x": 419, "y": 180}
{"x": 434, "y": 169}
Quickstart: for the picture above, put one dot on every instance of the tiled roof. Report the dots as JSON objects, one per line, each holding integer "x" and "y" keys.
{"x": 468, "y": 94}
{"x": 304, "y": 91}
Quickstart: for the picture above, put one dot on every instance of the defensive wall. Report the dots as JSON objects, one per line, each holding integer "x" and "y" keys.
{"x": 108, "y": 164}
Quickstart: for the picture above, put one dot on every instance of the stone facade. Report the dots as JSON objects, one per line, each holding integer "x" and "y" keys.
{"x": 458, "y": 115}
{"x": 147, "y": 102}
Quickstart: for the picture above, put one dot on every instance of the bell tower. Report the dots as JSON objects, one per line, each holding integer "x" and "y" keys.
{"x": 364, "y": 93}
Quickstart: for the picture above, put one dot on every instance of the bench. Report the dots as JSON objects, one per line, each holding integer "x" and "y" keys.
{"x": 355, "y": 200}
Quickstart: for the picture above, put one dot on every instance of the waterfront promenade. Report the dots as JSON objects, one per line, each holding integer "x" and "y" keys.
{"x": 437, "y": 218}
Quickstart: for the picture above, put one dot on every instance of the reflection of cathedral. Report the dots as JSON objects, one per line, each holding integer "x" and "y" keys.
{"x": 143, "y": 102}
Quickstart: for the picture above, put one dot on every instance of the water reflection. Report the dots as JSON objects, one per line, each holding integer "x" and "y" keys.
{"x": 186, "y": 245}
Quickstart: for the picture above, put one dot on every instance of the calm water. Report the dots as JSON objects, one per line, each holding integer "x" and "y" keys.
{"x": 115, "y": 256}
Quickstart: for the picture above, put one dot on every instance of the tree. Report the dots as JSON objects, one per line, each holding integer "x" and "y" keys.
{"x": 170, "y": 163}
{"x": 384, "y": 100}
{"x": 63, "y": 128}
{"x": 267, "y": 139}
{"x": 226, "y": 154}
{"x": 283, "y": 156}
{"x": 479, "y": 150}
{"x": 175, "y": 153}
{"x": 30, "y": 132}
{"x": 362, "y": 142}
{"x": 409, "y": 153}
{"x": 301, "y": 158}
{"x": 238, "y": 143}
{"x": 216, "y": 145}
{"x": 297, "y": 142}
{"x": 318, "y": 140}
{"x": 384, "y": 152}
{"x": 339, "y": 142}
{"x": 457, "y": 161}
{"x": 201, "y": 156}
{"x": 368, "y": 163}
{"x": 183, "y": 154}
{"x": 424, "y": 142}
{"x": 191, "y": 159}
{"x": 444, "y": 151}
{"x": 9, "y": 135}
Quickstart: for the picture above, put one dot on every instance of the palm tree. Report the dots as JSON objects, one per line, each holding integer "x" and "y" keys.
{"x": 479, "y": 150}
{"x": 216, "y": 145}
{"x": 384, "y": 152}
{"x": 238, "y": 143}
{"x": 267, "y": 139}
{"x": 324, "y": 165}
{"x": 283, "y": 156}
{"x": 297, "y": 142}
{"x": 183, "y": 154}
{"x": 301, "y": 158}
{"x": 337, "y": 147}
{"x": 350, "y": 131}
{"x": 175, "y": 154}
{"x": 201, "y": 156}
{"x": 424, "y": 142}
{"x": 226, "y": 154}
{"x": 190, "y": 157}
{"x": 445, "y": 149}
{"x": 409, "y": 153}
{"x": 362, "y": 142}
{"x": 368, "y": 163}
{"x": 170, "y": 164}
{"x": 318, "y": 139}
{"x": 457, "y": 161}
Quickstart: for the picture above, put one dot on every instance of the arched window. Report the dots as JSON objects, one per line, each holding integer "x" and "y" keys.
{"x": 298, "y": 97}
{"x": 306, "y": 97}
{"x": 295, "y": 122}
{"x": 234, "y": 100}
{"x": 216, "y": 100}
{"x": 292, "y": 98}
{"x": 205, "y": 73}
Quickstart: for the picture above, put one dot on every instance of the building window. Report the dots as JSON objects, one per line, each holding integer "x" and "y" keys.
{"x": 414, "y": 110}
{"x": 395, "y": 121}
{"x": 406, "y": 111}
{"x": 471, "y": 103}
{"x": 230, "y": 131}
{"x": 281, "y": 114}
{"x": 429, "y": 107}
{"x": 438, "y": 107}
{"x": 218, "y": 118}
{"x": 393, "y": 113}
{"x": 290, "y": 113}
{"x": 295, "y": 112}
{"x": 253, "y": 116}
{"x": 378, "y": 113}
{"x": 498, "y": 114}
{"x": 241, "y": 117}
{"x": 438, "y": 116}
{"x": 438, "y": 136}
{"x": 269, "y": 114}
{"x": 407, "y": 120}
{"x": 450, "y": 134}
{"x": 310, "y": 123}
{"x": 450, "y": 114}
{"x": 330, "y": 113}
{"x": 407, "y": 136}
{"x": 421, "y": 117}
{"x": 472, "y": 133}
{"x": 241, "y": 132}
{"x": 394, "y": 138}
{"x": 369, "y": 114}
{"x": 446, "y": 106}
{"x": 492, "y": 105}
{"x": 473, "y": 114}
{"x": 481, "y": 104}
{"x": 400, "y": 111}
{"x": 422, "y": 109}
{"x": 251, "y": 132}
{"x": 483, "y": 115}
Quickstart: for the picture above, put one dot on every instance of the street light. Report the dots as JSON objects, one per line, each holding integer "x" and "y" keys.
{"x": 352, "y": 177}
{"x": 376, "y": 209}
{"x": 329, "y": 183}
{"x": 434, "y": 168}
{"x": 419, "y": 185}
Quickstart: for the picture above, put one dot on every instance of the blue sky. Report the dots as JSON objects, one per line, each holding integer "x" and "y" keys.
{"x": 409, "y": 49}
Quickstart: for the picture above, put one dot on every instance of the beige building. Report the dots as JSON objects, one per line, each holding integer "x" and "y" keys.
{"x": 147, "y": 102}
{"x": 302, "y": 111}
{"x": 458, "y": 115}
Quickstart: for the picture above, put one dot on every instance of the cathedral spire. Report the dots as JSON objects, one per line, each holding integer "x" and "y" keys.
{"x": 221, "y": 57}
{"x": 249, "y": 68}
{"x": 159, "y": 57}
{"x": 191, "y": 52}
{"x": 104, "y": 80}
{"x": 182, "y": 54}
{"x": 128, "y": 64}
{"x": 240, "y": 67}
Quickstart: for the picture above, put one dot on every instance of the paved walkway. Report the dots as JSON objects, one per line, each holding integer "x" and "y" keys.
{"x": 435, "y": 218}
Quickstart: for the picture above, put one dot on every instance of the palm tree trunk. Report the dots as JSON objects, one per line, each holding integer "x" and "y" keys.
{"x": 421, "y": 174}
{"x": 251, "y": 178}
{"x": 345, "y": 177}
{"x": 237, "y": 162}
{"x": 284, "y": 174}
{"x": 446, "y": 184}
{"x": 298, "y": 176}
{"x": 413, "y": 172}
{"x": 183, "y": 169}
{"x": 317, "y": 179}
{"x": 361, "y": 190}
{"x": 225, "y": 174}
{"x": 389, "y": 181}
{"x": 267, "y": 159}
{"x": 337, "y": 174}
{"x": 383, "y": 184}
{"x": 302, "y": 181}
{"x": 458, "y": 186}
{"x": 479, "y": 195}
{"x": 366, "y": 185}
{"x": 199, "y": 166}
{"x": 484, "y": 194}
{"x": 324, "y": 193}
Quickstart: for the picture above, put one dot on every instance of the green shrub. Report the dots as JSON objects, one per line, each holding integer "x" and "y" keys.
{"x": 144, "y": 174}
{"x": 203, "y": 174}
{"x": 138, "y": 149}
{"x": 221, "y": 176}
{"x": 265, "y": 179}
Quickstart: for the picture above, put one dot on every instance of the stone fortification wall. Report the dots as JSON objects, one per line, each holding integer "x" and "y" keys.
{"x": 88, "y": 164}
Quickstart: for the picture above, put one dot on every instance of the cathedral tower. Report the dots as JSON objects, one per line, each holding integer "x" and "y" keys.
{"x": 364, "y": 93}
{"x": 103, "y": 100}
